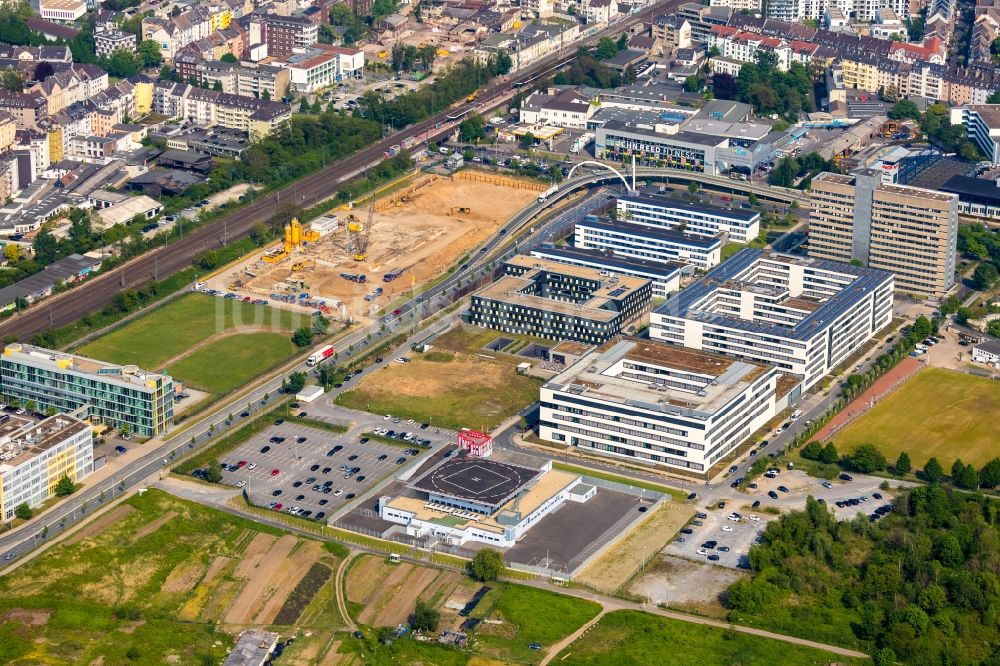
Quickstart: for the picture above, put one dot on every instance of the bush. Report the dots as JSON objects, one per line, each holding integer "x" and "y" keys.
{"x": 65, "y": 486}
{"x": 213, "y": 473}
{"x": 811, "y": 451}
{"x": 424, "y": 617}
{"x": 23, "y": 511}
{"x": 302, "y": 337}
{"x": 867, "y": 459}
{"x": 829, "y": 454}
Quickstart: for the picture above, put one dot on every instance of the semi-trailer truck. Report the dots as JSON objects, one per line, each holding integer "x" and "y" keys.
{"x": 548, "y": 193}
{"x": 320, "y": 354}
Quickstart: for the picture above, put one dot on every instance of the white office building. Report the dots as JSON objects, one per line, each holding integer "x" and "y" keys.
{"x": 34, "y": 456}
{"x": 805, "y": 316}
{"x": 647, "y": 242}
{"x": 660, "y": 404}
{"x": 742, "y": 226}
{"x": 665, "y": 277}
{"x": 982, "y": 124}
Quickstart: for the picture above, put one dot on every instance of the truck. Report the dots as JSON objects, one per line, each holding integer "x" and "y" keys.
{"x": 319, "y": 355}
{"x": 548, "y": 193}
{"x": 360, "y": 279}
{"x": 392, "y": 275}
{"x": 472, "y": 97}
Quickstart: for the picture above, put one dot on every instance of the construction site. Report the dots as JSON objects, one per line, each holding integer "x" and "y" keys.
{"x": 356, "y": 259}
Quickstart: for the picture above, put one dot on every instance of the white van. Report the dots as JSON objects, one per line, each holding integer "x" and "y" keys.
{"x": 796, "y": 414}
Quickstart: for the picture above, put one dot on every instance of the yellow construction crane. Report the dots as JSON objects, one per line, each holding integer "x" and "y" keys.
{"x": 358, "y": 234}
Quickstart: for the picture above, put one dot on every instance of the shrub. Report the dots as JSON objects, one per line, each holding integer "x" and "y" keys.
{"x": 487, "y": 565}
{"x": 866, "y": 459}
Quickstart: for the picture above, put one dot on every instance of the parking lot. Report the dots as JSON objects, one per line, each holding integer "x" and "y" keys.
{"x": 717, "y": 531}
{"x": 306, "y": 470}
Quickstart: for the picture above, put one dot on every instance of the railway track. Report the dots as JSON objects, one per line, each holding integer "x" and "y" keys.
{"x": 99, "y": 291}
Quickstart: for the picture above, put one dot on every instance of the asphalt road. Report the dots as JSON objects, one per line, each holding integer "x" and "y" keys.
{"x": 97, "y": 292}
{"x": 66, "y": 513}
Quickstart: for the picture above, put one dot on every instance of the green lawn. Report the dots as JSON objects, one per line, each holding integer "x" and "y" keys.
{"x": 631, "y": 637}
{"x": 105, "y": 595}
{"x": 168, "y": 331}
{"x": 228, "y": 363}
{"x": 939, "y": 413}
{"x": 675, "y": 493}
{"x": 466, "y": 392}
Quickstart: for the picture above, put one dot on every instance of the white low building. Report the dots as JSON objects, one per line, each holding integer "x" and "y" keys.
{"x": 320, "y": 66}
{"x": 742, "y": 226}
{"x": 647, "y": 242}
{"x": 465, "y": 499}
{"x": 987, "y": 352}
{"x": 35, "y": 456}
{"x": 805, "y": 316}
{"x": 660, "y": 404}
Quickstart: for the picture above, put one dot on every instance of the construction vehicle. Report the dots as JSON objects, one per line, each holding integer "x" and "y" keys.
{"x": 305, "y": 264}
{"x": 459, "y": 209}
{"x": 320, "y": 354}
{"x": 392, "y": 275}
{"x": 295, "y": 236}
{"x": 359, "y": 278}
{"x": 472, "y": 97}
{"x": 358, "y": 234}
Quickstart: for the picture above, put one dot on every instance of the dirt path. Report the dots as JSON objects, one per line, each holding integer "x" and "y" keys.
{"x": 882, "y": 387}
{"x": 101, "y": 524}
{"x": 155, "y": 525}
{"x": 564, "y": 643}
{"x": 338, "y": 591}
{"x": 239, "y": 330}
{"x": 245, "y": 606}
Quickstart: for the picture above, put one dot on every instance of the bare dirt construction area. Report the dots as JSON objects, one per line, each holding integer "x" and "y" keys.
{"x": 620, "y": 562}
{"x": 685, "y": 585}
{"x": 390, "y": 591}
{"x": 422, "y": 229}
{"x": 271, "y": 580}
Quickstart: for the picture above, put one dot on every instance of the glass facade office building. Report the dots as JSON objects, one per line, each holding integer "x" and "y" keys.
{"x": 113, "y": 395}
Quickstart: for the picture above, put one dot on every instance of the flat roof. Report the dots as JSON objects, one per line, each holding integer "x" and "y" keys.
{"x": 717, "y": 379}
{"x": 975, "y": 189}
{"x": 676, "y": 137}
{"x": 22, "y": 440}
{"x": 62, "y": 362}
{"x": 660, "y": 269}
{"x": 863, "y": 281}
{"x": 667, "y": 202}
{"x": 478, "y": 480}
{"x": 655, "y": 233}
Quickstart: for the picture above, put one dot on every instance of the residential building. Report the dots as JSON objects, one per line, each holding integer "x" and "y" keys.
{"x": 257, "y": 117}
{"x": 27, "y": 109}
{"x": 750, "y": 6}
{"x": 665, "y": 277}
{"x": 110, "y": 41}
{"x": 248, "y": 79}
{"x": 35, "y": 456}
{"x": 566, "y": 107}
{"x": 982, "y": 124}
{"x": 648, "y": 243}
{"x": 740, "y": 225}
{"x": 599, "y": 11}
{"x": 282, "y": 34}
{"x": 321, "y": 66}
{"x": 120, "y": 396}
{"x": 67, "y": 11}
{"x": 910, "y": 231}
{"x": 660, "y": 404}
{"x": 551, "y": 300}
{"x": 805, "y": 316}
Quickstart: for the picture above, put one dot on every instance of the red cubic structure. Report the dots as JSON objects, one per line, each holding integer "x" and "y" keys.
{"x": 477, "y": 443}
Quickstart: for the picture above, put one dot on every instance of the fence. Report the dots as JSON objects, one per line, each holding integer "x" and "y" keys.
{"x": 493, "y": 179}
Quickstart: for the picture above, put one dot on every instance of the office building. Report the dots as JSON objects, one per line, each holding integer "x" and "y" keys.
{"x": 282, "y": 34}
{"x": 910, "y": 231}
{"x": 804, "y": 316}
{"x": 982, "y": 124}
{"x": 665, "y": 277}
{"x": 740, "y": 225}
{"x": 660, "y": 404}
{"x": 109, "y": 41}
{"x": 117, "y": 396}
{"x": 551, "y": 300}
{"x": 35, "y": 455}
{"x": 649, "y": 243}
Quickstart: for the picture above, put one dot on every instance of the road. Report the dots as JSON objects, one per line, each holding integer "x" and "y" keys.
{"x": 520, "y": 236}
{"x": 94, "y": 294}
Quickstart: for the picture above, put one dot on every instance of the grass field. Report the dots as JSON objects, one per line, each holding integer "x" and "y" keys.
{"x": 631, "y": 637}
{"x": 450, "y": 391}
{"x": 939, "y": 413}
{"x": 145, "y": 583}
{"x": 214, "y": 344}
{"x": 678, "y": 495}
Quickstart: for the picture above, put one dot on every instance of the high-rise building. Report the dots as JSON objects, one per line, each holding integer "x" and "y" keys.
{"x": 910, "y": 231}
{"x": 117, "y": 395}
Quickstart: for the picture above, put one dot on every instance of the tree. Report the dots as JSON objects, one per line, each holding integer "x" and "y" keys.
{"x": 43, "y": 70}
{"x": 229, "y": 57}
{"x": 692, "y": 84}
{"x": 752, "y": 199}
{"x": 748, "y": 595}
{"x": 472, "y": 129}
{"x": 968, "y": 478}
{"x": 829, "y": 454}
{"x": 963, "y": 315}
{"x": 213, "y": 472}
{"x": 217, "y": 86}
{"x": 65, "y": 486}
{"x": 724, "y": 86}
{"x": 122, "y": 64}
{"x": 933, "y": 471}
{"x": 989, "y": 475}
{"x": 606, "y": 48}
{"x": 528, "y": 140}
{"x": 149, "y": 54}
{"x": 12, "y": 253}
{"x": 922, "y": 327}
{"x": 693, "y": 187}
{"x": 957, "y": 468}
{"x": 487, "y": 565}
{"x": 46, "y": 247}
{"x": 985, "y": 276}
{"x": 304, "y": 105}
{"x": 903, "y": 464}
{"x": 867, "y": 459}
{"x": 811, "y": 451}
{"x": 11, "y": 80}
{"x": 904, "y": 108}
{"x": 296, "y": 381}
{"x": 884, "y": 657}
{"x": 993, "y": 328}
{"x": 424, "y": 617}
{"x": 23, "y": 511}
{"x": 303, "y": 336}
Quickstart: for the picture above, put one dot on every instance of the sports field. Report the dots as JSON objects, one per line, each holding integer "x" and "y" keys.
{"x": 940, "y": 413}
{"x": 446, "y": 390}
{"x": 213, "y": 344}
